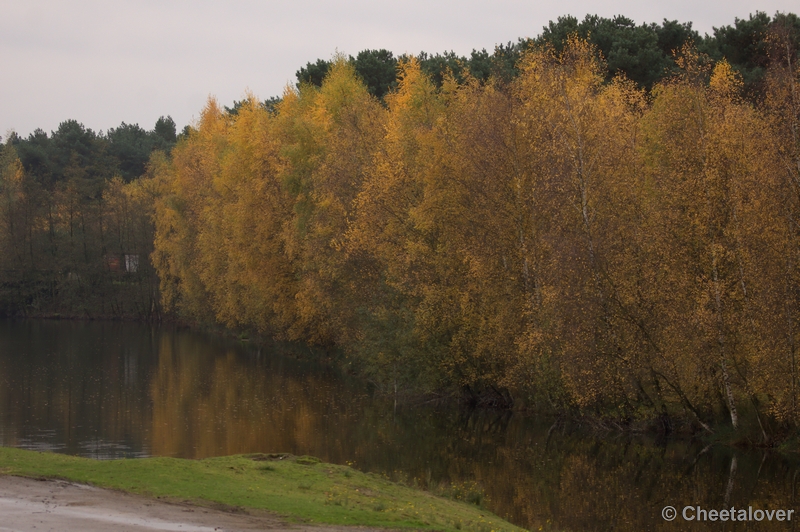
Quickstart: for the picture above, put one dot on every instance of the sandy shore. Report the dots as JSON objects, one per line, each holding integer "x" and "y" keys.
{"x": 45, "y": 505}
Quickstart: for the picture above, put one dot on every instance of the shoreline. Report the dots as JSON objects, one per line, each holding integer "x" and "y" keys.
{"x": 294, "y": 490}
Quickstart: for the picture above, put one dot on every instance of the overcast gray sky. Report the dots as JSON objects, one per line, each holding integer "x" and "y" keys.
{"x": 103, "y": 62}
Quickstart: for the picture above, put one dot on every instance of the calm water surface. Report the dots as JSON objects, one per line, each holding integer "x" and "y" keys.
{"x": 108, "y": 390}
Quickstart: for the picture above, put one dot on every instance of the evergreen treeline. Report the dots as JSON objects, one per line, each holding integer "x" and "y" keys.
{"x": 552, "y": 238}
{"x": 69, "y": 220}
{"x": 643, "y": 53}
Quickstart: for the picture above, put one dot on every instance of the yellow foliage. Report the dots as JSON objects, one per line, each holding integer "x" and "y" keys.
{"x": 555, "y": 239}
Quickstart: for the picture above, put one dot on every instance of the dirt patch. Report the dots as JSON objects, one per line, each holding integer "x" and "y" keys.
{"x": 27, "y": 504}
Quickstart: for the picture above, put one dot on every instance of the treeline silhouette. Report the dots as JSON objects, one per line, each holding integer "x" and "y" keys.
{"x": 73, "y": 207}
{"x": 554, "y": 239}
{"x": 643, "y": 53}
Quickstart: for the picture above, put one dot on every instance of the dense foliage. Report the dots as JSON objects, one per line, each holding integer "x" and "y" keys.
{"x": 561, "y": 236}
{"x": 557, "y": 239}
{"x": 72, "y": 209}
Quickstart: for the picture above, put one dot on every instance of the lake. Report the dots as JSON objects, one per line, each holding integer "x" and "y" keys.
{"x": 110, "y": 390}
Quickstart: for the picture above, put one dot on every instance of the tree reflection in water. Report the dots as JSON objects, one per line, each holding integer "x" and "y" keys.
{"x": 111, "y": 389}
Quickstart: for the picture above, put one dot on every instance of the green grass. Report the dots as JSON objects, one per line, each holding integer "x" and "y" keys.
{"x": 300, "y": 489}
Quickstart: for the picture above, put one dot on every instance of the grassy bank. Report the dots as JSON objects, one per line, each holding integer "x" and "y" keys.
{"x": 301, "y": 489}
